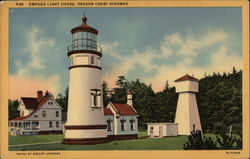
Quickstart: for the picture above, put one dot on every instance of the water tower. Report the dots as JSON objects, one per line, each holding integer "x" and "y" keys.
{"x": 187, "y": 114}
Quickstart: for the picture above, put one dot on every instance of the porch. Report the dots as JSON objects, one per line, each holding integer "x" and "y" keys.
{"x": 24, "y": 127}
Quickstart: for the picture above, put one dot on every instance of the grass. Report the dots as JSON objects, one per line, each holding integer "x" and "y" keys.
{"x": 16, "y": 140}
{"x": 169, "y": 143}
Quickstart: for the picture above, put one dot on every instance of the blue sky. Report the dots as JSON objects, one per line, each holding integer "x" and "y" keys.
{"x": 152, "y": 44}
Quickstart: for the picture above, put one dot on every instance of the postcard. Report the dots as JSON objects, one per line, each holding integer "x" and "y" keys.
{"x": 124, "y": 79}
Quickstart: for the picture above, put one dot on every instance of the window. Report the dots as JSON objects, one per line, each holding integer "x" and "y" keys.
{"x": 50, "y": 124}
{"x": 44, "y": 113}
{"x": 193, "y": 127}
{"x": 35, "y": 116}
{"x": 57, "y": 124}
{"x": 71, "y": 60}
{"x": 50, "y": 103}
{"x": 123, "y": 124}
{"x": 95, "y": 97}
{"x": 92, "y": 60}
{"x": 109, "y": 124}
{"x": 57, "y": 113}
{"x": 132, "y": 124}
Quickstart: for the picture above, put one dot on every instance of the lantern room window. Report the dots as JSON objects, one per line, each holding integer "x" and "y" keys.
{"x": 84, "y": 41}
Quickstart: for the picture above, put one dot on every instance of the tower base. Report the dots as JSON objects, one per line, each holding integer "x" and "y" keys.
{"x": 85, "y": 141}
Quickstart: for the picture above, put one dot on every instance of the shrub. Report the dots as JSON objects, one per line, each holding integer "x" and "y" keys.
{"x": 228, "y": 142}
{"x": 196, "y": 141}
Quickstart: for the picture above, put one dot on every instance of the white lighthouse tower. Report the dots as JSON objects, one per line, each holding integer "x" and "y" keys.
{"x": 85, "y": 122}
{"x": 187, "y": 114}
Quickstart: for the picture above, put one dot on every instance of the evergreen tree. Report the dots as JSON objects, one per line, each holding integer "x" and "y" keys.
{"x": 13, "y": 112}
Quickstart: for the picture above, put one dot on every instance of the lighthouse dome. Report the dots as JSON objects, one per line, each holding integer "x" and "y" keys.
{"x": 84, "y": 37}
{"x": 84, "y": 27}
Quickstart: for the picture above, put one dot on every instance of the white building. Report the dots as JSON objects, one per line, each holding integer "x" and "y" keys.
{"x": 121, "y": 120}
{"x": 162, "y": 129}
{"x": 41, "y": 115}
{"x": 187, "y": 114}
{"x": 85, "y": 120}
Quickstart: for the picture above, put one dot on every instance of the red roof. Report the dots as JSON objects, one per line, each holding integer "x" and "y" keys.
{"x": 30, "y": 103}
{"x": 107, "y": 111}
{"x": 124, "y": 109}
{"x": 186, "y": 78}
{"x": 20, "y": 117}
{"x": 84, "y": 27}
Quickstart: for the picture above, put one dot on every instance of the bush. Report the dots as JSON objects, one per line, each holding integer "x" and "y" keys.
{"x": 196, "y": 141}
{"x": 228, "y": 142}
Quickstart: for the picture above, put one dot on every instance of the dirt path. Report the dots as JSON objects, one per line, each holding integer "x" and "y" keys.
{"x": 43, "y": 143}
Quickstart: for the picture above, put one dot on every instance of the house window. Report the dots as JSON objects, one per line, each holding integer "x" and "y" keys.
{"x": 44, "y": 113}
{"x": 22, "y": 113}
{"x": 95, "y": 97}
{"x": 132, "y": 124}
{"x": 57, "y": 113}
{"x": 123, "y": 124}
{"x": 35, "y": 116}
{"x": 50, "y": 124}
{"x": 92, "y": 60}
{"x": 50, "y": 103}
{"x": 109, "y": 124}
{"x": 57, "y": 124}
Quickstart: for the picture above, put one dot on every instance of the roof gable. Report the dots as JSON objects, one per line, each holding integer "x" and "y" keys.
{"x": 124, "y": 109}
{"x": 186, "y": 78}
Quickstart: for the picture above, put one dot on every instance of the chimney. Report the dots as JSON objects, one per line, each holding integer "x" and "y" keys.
{"x": 129, "y": 98}
{"x": 39, "y": 96}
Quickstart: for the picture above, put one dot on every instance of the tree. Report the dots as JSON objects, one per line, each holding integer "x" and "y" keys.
{"x": 13, "y": 112}
{"x": 105, "y": 93}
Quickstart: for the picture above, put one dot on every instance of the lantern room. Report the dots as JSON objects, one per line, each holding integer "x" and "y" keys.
{"x": 84, "y": 37}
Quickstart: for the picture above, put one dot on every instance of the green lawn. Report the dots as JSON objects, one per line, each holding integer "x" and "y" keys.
{"x": 16, "y": 140}
{"x": 169, "y": 143}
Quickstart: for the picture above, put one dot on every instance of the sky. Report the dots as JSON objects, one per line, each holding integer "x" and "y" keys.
{"x": 153, "y": 44}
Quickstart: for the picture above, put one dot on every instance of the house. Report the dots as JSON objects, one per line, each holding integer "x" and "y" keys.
{"x": 162, "y": 129}
{"x": 121, "y": 120}
{"x": 41, "y": 115}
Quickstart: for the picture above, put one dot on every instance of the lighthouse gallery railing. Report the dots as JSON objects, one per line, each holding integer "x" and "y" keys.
{"x": 84, "y": 47}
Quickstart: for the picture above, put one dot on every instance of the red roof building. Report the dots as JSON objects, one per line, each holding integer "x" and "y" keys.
{"x": 39, "y": 115}
{"x": 186, "y": 78}
{"x": 122, "y": 119}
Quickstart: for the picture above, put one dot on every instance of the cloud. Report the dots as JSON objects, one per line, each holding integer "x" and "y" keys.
{"x": 31, "y": 76}
{"x": 34, "y": 46}
{"x": 184, "y": 51}
{"x": 189, "y": 46}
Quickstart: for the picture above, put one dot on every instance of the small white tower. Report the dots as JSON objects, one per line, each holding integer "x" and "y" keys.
{"x": 85, "y": 122}
{"x": 130, "y": 98}
{"x": 187, "y": 114}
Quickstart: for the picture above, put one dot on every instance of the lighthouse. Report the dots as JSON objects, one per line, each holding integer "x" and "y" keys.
{"x": 85, "y": 122}
{"x": 187, "y": 114}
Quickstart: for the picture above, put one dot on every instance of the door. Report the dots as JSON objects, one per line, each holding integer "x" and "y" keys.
{"x": 169, "y": 130}
{"x": 151, "y": 131}
{"x": 160, "y": 131}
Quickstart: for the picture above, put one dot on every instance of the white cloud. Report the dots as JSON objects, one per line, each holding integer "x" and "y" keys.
{"x": 30, "y": 76}
{"x": 190, "y": 45}
{"x": 35, "y": 44}
{"x": 185, "y": 50}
